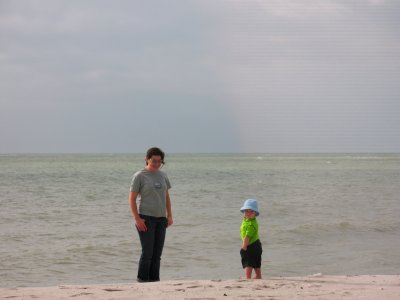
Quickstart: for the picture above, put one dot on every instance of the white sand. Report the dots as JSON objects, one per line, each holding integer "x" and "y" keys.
{"x": 382, "y": 287}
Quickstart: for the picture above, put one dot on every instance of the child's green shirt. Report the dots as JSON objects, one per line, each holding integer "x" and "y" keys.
{"x": 249, "y": 229}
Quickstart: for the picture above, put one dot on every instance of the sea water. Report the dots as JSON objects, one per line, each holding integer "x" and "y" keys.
{"x": 65, "y": 219}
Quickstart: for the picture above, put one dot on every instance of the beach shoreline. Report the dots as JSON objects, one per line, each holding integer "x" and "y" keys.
{"x": 307, "y": 287}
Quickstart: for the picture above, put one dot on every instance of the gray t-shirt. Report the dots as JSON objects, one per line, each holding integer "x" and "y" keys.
{"x": 152, "y": 188}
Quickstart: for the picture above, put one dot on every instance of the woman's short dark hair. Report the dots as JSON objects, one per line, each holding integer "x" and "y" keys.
{"x": 154, "y": 151}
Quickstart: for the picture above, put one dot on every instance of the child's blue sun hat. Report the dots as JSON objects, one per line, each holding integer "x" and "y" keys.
{"x": 250, "y": 204}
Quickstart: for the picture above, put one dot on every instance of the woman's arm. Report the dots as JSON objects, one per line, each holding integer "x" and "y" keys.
{"x": 141, "y": 226}
{"x": 169, "y": 210}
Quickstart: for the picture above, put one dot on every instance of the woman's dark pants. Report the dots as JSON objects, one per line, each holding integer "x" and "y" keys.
{"x": 152, "y": 242}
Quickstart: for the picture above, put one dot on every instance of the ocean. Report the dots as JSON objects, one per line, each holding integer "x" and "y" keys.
{"x": 65, "y": 218}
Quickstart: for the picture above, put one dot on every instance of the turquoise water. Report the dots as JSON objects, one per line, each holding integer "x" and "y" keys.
{"x": 65, "y": 219}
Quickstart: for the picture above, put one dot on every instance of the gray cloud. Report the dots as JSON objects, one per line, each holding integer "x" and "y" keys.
{"x": 199, "y": 76}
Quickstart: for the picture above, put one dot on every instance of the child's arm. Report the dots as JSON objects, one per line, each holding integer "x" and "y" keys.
{"x": 245, "y": 243}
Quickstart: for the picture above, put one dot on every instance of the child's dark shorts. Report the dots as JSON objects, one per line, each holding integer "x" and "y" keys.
{"x": 252, "y": 256}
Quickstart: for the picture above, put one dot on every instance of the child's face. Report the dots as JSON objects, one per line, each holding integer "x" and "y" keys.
{"x": 249, "y": 214}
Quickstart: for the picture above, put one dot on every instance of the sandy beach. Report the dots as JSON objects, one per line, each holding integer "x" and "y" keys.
{"x": 311, "y": 287}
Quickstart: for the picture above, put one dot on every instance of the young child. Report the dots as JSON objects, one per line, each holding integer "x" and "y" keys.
{"x": 251, "y": 248}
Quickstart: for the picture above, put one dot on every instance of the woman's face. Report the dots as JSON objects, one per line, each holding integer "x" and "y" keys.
{"x": 154, "y": 163}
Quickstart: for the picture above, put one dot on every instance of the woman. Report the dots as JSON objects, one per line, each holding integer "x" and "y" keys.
{"x": 150, "y": 187}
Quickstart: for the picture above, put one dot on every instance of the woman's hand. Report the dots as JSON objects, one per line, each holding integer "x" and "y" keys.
{"x": 170, "y": 221}
{"x": 140, "y": 224}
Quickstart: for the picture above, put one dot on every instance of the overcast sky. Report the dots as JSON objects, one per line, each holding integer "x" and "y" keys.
{"x": 200, "y": 76}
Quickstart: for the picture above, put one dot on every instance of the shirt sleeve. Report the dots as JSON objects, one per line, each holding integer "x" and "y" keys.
{"x": 167, "y": 182}
{"x": 250, "y": 231}
{"x": 136, "y": 183}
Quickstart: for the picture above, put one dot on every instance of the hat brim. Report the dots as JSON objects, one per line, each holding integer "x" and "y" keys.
{"x": 245, "y": 207}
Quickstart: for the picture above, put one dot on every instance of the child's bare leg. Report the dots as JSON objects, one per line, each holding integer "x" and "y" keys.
{"x": 248, "y": 271}
{"x": 258, "y": 273}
